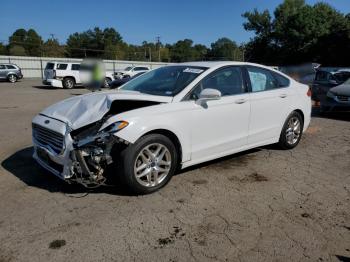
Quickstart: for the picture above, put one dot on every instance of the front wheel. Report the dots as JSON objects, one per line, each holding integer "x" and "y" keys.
{"x": 291, "y": 131}
{"x": 12, "y": 78}
{"x": 149, "y": 164}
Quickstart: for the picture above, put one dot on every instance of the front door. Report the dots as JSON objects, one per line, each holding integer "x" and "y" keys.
{"x": 220, "y": 127}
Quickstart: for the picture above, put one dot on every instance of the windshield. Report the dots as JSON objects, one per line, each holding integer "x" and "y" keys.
{"x": 128, "y": 68}
{"x": 164, "y": 81}
{"x": 341, "y": 77}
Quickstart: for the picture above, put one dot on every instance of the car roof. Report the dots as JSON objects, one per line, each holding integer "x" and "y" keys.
{"x": 213, "y": 64}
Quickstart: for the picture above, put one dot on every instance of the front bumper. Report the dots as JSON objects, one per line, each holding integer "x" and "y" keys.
{"x": 60, "y": 164}
{"x": 335, "y": 103}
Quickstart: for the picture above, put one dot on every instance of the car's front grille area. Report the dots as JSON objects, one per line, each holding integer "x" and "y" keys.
{"x": 343, "y": 98}
{"x": 48, "y": 138}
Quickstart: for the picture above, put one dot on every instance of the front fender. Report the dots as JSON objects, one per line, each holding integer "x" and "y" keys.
{"x": 139, "y": 126}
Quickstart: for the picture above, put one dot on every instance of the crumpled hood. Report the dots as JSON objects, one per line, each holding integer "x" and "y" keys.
{"x": 343, "y": 90}
{"x": 85, "y": 109}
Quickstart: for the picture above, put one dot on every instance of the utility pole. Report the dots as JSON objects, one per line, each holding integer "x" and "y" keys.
{"x": 158, "y": 44}
{"x": 150, "y": 54}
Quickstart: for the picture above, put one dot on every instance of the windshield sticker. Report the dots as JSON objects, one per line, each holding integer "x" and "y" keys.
{"x": 193, "y": 70}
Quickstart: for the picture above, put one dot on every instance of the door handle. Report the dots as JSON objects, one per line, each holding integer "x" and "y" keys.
{"x": 240, "y": 101}
{"x": 283, "y": 95}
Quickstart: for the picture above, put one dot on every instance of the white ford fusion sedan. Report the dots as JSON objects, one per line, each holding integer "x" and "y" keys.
{"x": 169, "y": 118}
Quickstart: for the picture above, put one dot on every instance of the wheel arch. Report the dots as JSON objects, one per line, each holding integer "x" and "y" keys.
{"x": 301, "y": 113}
{"x": 72, "y": 77}
{"x": 172, "y": 136}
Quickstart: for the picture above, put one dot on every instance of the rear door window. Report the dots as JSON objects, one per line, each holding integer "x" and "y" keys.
{"x": 282, "y": 81}
{"x": 2, "y": 67}
{"x": 262, "y": 79}
{"x": 62, "y": 66}
{"x": 10, "y": 67}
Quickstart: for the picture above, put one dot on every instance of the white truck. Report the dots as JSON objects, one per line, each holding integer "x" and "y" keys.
{"x": 66, "y": 75}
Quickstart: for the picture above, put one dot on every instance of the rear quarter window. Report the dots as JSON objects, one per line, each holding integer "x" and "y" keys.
{"x": 10, "y": 67}
{"x": 282, "y": 81}
{"x": 62, "y": 66}
{"x": 75, "y": 67}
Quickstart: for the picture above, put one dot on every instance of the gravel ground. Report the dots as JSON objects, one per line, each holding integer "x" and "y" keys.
{"x": 261, "y": 205}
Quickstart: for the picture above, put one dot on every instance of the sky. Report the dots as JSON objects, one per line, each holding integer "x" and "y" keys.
{"x": 203, "y": 21}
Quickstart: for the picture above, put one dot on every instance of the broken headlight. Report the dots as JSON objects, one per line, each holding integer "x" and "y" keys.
{"x": 114, "y": 127}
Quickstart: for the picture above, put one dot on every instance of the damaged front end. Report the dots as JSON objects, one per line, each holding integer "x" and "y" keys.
{"x": 91, "y": 154}
{"x": 74, "y": 139}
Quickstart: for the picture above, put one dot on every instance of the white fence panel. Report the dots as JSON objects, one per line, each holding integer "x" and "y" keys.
{"x": 32, "y": 67}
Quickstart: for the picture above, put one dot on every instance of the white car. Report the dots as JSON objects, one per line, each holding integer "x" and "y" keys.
{"x": 66, "y": 75}
{"x": 131, "y": 71}
{"x": 170, "y": 117}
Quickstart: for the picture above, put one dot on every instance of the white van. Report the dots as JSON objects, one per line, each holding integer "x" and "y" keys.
{"x": 66, "y": 75}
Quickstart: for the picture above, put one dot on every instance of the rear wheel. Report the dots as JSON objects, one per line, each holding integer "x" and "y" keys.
{"x": 149, "y": 164}
{"x": 291, "y": 131}
{"x": 12, "y": 78}
{"x": 68, "y": 83}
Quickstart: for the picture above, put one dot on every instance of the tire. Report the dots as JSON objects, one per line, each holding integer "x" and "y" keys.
{"x": 68, "y": 83}
{"x": 292, "y": 131}
{"x": 12, "y": 78}
{"x": 135, "y": 157}
{"x": 107, "y": 82}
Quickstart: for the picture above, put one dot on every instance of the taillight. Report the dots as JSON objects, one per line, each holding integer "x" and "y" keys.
{"x": 54, "y": 74}
{"x": 309, "y": 93}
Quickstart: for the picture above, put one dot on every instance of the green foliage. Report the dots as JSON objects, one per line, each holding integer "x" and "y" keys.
{"x": 17, "y": 50}
{"x": 299, "y": 33}
{"x": 94, "y": 43}
{"x": 3, "y": 50}
{"x": 52, "y": 48}
{"x": 225, "y": 49}
{"x": 29, "y": 40}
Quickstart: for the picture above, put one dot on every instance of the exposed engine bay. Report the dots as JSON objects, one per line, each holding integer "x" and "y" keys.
{"x": 93, "y": 150}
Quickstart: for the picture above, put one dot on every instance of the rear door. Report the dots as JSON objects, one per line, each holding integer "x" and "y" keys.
{"x": 270, "y": 100}
{"x": 2, "y": 71}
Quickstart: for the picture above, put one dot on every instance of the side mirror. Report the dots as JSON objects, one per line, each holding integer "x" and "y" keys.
{"x": 207, "y": 95}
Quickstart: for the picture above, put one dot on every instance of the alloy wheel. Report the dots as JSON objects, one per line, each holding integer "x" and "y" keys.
{"x": 12, "y": 78}
{"x": 152, "y": 165}
{"x": 293, "y": 130}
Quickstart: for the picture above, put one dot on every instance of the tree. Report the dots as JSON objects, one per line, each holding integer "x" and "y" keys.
{"x": 17, "y": 50}
{"x": 2, "y": 49}
{"x": 298, "y": 33}
{"x": 29, "y": 40}
{"x": 33, "y": 43}
{"x": 94, "y": 43}
{"x": 224, "y": 49}
{"x": 52, "y": 48}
